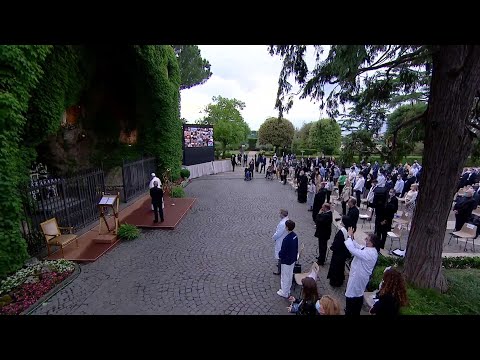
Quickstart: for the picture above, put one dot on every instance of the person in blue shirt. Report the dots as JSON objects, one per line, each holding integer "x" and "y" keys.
{"x": 288, "y": 255}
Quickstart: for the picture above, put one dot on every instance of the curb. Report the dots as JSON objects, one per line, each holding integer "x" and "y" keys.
{"x": 53, "y": 291}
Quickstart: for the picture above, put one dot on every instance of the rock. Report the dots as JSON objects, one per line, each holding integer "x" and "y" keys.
{"x": 32, "y": 261}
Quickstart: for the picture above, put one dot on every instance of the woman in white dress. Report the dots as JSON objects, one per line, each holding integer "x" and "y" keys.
{"x": 410, "y": 198}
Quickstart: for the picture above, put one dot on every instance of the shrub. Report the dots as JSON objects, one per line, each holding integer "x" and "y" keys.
{"x": 227, "y": 155}
{"x": 128, "y": 232}
{"x": 178, "y": 192}
{"x": 461, "y": 262}
{"x": 185, "y": 173}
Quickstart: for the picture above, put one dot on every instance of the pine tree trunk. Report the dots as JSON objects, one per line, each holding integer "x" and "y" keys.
{"x": 455, "y": 81}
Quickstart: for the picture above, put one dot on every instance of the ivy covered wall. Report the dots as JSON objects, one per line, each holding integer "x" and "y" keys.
{"x": 38, "y": 83}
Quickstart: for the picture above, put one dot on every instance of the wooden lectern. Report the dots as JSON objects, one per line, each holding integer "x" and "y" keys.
{"x": 106, "y": 202}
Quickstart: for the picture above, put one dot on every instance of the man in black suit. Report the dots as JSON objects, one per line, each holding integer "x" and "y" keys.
{"x": 353, "y": 212}
{"x": 463, "y": 210}
{"x": 384, "y": 217}
{"x": 157, "y": 200}
{"x": 318, "y": 201}
{"x": 323, "y": 231}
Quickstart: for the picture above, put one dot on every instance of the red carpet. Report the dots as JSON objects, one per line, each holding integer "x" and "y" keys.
{"x": 174, "y": 211}
{"x": 138, "y": 213}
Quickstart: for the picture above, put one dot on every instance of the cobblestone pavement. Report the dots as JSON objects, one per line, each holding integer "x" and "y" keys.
{"x": 219, "y": 260}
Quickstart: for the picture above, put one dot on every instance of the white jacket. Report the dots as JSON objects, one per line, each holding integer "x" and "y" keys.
{"x": 155, "y": 179}
{"x": 280, "y": 233}
{"x": 364, "y": 260}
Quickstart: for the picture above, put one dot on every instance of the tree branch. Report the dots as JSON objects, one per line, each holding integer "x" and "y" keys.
{"x": 391, "y": 64}
{"x": 405, "y": 123}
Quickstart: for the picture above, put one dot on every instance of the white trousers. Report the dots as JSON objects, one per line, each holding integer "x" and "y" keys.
{"x": 286, "y": 279}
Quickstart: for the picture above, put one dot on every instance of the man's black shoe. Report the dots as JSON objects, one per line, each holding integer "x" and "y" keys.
{"x": 276, "y": 273}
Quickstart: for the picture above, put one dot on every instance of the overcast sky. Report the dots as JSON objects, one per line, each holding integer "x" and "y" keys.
{"x": 250, "y": 74}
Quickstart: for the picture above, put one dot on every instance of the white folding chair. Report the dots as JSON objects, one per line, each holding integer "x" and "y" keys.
{"x": 395, "y": 234}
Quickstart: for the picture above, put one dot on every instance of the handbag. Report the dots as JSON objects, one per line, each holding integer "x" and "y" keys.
{"x": 297, "y": 269}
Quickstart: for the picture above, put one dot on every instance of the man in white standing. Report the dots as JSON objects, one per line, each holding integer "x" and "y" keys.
{"x": 151, "y": 185}
{"x": 280, "y": 233}
{"x": 364, "y": 260}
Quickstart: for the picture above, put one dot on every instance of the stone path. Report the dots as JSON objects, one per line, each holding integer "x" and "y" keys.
{"x": 219, "y": 260}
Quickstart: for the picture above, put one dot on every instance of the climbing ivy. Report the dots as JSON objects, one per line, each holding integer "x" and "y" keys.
{"x": 37, "y": 84}
{"x": 158, "y": 68}
{"x": 66, "y": 69}
{"x": 20, "y": 71}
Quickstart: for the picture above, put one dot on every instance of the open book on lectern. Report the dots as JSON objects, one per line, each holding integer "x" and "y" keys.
{"x": 107, "y": 200}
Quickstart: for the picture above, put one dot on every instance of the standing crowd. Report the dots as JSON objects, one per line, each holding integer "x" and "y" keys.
{"x": 315, "y": 180}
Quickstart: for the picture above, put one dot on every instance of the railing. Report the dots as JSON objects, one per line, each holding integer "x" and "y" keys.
{"x": 72, "y": 201}
{"x": 136, "y": 177}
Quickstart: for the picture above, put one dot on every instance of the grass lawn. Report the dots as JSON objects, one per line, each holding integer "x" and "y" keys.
{"x": 462, "y": 297}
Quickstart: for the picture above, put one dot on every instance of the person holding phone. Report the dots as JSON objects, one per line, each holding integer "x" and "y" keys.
{"x": 364, "y": 260}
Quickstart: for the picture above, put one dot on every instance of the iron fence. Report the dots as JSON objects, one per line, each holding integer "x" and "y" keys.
{"x": 136, "y": 177}
{"x": 72, "y": 201}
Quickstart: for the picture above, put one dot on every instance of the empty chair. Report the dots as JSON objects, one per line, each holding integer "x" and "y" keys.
{"x": 367, "y": 217}
{"x": 468, "y": 231}
{"x": 53, "y": 236}
{"x": 404, "y": 220}
{"x": 395, "y": 234}
{"x": 313, "y": 273}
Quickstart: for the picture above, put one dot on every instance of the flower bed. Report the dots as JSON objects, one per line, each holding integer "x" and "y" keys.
{"x": 24, "y": 288}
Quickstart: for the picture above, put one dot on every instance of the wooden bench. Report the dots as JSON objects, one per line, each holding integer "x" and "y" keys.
{"x": 53, "y": 235}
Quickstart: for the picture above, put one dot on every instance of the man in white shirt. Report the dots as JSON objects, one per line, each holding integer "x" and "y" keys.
{"x": 154, "y": 179}
{"x": 358, "y": 189}
{"x": 280, "y": 233}
{"x": 381, "y": 179}
{"x": 364, "y": 260}
{"x": 399, "y": 186}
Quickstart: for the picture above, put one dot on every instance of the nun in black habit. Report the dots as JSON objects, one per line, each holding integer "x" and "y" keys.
{"x": 340, "y": 254}
{"x": 302, "y": 187}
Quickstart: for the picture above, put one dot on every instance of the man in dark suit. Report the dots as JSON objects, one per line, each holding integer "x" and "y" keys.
{"x": 318, "y": 201}
{"x": 323, "y": 231}
{"x": 463, "y": 210}
{"x": 157, "y": 200}
{"x": 384, "y": 217}
{"x": 353, "y": 212}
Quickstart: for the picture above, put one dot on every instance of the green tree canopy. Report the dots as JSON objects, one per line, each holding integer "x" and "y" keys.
{"x": 301, "y": 138}
{"x": 229, "y": 126}
{"x": 373, "y": 77}
{"x": 278, "y": 132}
{"x": 325, "y": 135}
{"x": 194, "y": 70}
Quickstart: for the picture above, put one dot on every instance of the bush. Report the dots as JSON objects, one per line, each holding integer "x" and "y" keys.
{"x": 461, "y": 262}
{"x": 128, "y": 232}
{"x": 178, "y": 192}
{"x": 227, "y": 155}
{"x": 185, "y": 173}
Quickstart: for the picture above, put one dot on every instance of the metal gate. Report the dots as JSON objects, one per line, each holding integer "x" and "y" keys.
{"x": 72, "y": 201}
{"x": 136, "y": 177}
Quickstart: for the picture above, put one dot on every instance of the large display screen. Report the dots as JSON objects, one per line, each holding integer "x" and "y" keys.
{"x": 198, "y": 144}
{"x": 195, "y": 136}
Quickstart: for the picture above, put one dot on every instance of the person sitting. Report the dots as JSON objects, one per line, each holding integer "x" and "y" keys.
{"x": 392, "y": 294}
{"x": 328, "y": 305}
{"x": 248, "y": 174}
{"x": 305, "y": 305}
{"x": 269, "y": 174}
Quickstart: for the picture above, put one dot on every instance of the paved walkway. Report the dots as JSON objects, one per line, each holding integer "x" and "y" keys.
{"x": 219, "y": 260}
